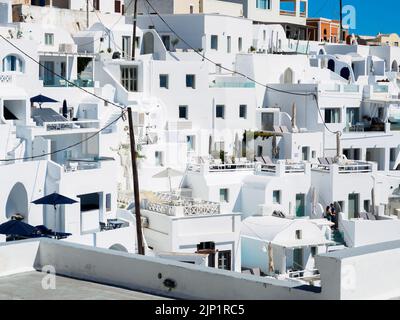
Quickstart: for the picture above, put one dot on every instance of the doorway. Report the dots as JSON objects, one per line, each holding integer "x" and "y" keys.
{"x": 300, "y": 205}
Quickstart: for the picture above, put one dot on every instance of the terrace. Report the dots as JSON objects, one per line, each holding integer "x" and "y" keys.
{"x": 345, "y": 167}
{"x": 175, "y": 205}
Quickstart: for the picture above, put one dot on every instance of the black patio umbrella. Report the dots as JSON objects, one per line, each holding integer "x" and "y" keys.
{"x": 40, "y": 99}
{"x": 54, "y": 199}
{"x": 17, "y": 228}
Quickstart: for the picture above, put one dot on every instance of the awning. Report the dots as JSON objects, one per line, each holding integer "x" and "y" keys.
{"x": 293, "y": 244}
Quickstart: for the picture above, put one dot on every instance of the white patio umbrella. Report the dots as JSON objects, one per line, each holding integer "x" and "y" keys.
{"x": 169, "y": 173}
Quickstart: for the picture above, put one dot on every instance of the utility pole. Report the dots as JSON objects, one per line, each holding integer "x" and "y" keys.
{"x": 135, "y": 185}
{"x": 341, "y": 20}
{"x": 134, "y": 30}
{"x": 87, "y": 14}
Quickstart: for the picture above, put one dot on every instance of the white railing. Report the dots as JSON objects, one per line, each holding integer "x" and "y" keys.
{"x": 174, "y": 205}
{"x": 71, "y": 125}
{"x": 223, "y": 167}
{"x": 299, "y": 274}
{"x": 282, "y": 167}
{"x": 345, "y": 168}
{"x": 73, "y": 166}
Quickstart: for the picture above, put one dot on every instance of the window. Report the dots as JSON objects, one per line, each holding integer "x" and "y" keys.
{"x": 332, "y": 115}
{"x": 263, "y": 4}
{"x": 129, "y": 78}
{"x": 313, "y": 154}
{"x": 264, "y": 35}
{"x": 108, "y": 202}
{"x": 164, "y": 81}
{"x": 276, "y": 197}
{"x": 367, "y": 205}
{"x": 229, "y": 44}
{"x": 190, "y": 141}
{"x": 243, "y": 111}
{"x": 214, "y": 42}
{"x": 183, "y": 112}
{"x": 240, "y": 44}
{"x": 223, "y": 195}
{"x": 96, "y": 4}
{"x": 224, "y": 260}
{"x": 220, "y": 111}
{"x": 191, "y": 9}
{"x": 191, "y": 81}
{"x": 126, "y": 46}
{"x": 166, "y": 39}
{"x": 159, "y": 158}
{"x": 117, "y": 6}
{"x": 393, "y": 155}
{"x": 49, "y": 39}
{"x": 298, "y": 234}
{"x": 12, "y": 63}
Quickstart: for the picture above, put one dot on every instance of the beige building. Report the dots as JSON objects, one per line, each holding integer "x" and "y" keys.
{"x": 391, "y": 39}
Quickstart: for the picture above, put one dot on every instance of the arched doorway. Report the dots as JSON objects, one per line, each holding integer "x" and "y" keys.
{"x": 395, "y": 66}
{"x": 288, "y": 76}
{"x": 345, "y": 73}
{"x": 17, "y": 202}
{"x": 148, "y": 43}
{"x": 331, "y": 65}
{"x": 118, "y": 247}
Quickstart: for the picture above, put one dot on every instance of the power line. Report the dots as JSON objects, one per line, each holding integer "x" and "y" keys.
{"x": 57, "y": 75}
{"x": 308, "y": 94}
{"x": 68, "y": 147}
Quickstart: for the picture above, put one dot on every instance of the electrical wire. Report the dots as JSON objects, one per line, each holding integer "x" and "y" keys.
{"x": 310, "y": 94}
{"x": 68, "y": 147}
{"x": 59, "y": 76}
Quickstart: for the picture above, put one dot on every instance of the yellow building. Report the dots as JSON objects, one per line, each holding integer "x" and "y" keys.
{"x": 392, "y": 39}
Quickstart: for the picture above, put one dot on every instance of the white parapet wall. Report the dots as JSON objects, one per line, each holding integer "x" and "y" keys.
{"x": 369, "y": 272}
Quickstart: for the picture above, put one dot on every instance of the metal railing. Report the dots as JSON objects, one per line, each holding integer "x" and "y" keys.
{"x": 172, "y": 205}
{"x": 73, "y": 166}
{"x": 71, "y": 125}
{"x": 345, "y": 168}
{"x": 288, "y": 168}
{"x": 223, "y": 167}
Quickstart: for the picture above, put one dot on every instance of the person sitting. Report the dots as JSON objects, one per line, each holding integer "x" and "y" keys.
{"x": 328, "y": 213}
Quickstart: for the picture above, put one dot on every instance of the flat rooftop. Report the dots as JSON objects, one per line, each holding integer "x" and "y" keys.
{"x": 28, "y": 286}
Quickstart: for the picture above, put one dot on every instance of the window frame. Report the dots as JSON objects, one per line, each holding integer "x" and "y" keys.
{"x": 166, "y": 76}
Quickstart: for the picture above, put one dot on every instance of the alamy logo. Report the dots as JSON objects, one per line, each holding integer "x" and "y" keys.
{"x": 49, "y": 280}
{"x": 349, "y": 17}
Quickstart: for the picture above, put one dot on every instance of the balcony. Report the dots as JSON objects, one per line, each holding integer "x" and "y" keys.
{"x": 226, "y": 84}
{"x": 348, "y": 167}
{"x": 174, "y": 205}
{"x": 221, "y": 167}
{"x": 77, "y": 165}
{"x": 71, "y": 125}
{"x": 61, "y": 83}
{"x": 281, "y": 168}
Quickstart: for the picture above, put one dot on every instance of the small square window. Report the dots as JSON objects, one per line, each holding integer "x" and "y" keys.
{"x": 164, "y": 81}
{"x": 183, "y": 112}
{"x": 191, "y": 81}
{"x": 243, "y": 111}
{"x": 220, "y": 111}
{"x": 276, "y": 196}
{"x": 332, "y": 115}
{"x": 223, "y": 195}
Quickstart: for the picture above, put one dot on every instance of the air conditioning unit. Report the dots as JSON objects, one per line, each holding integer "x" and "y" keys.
{"x": 68, "y": 48}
